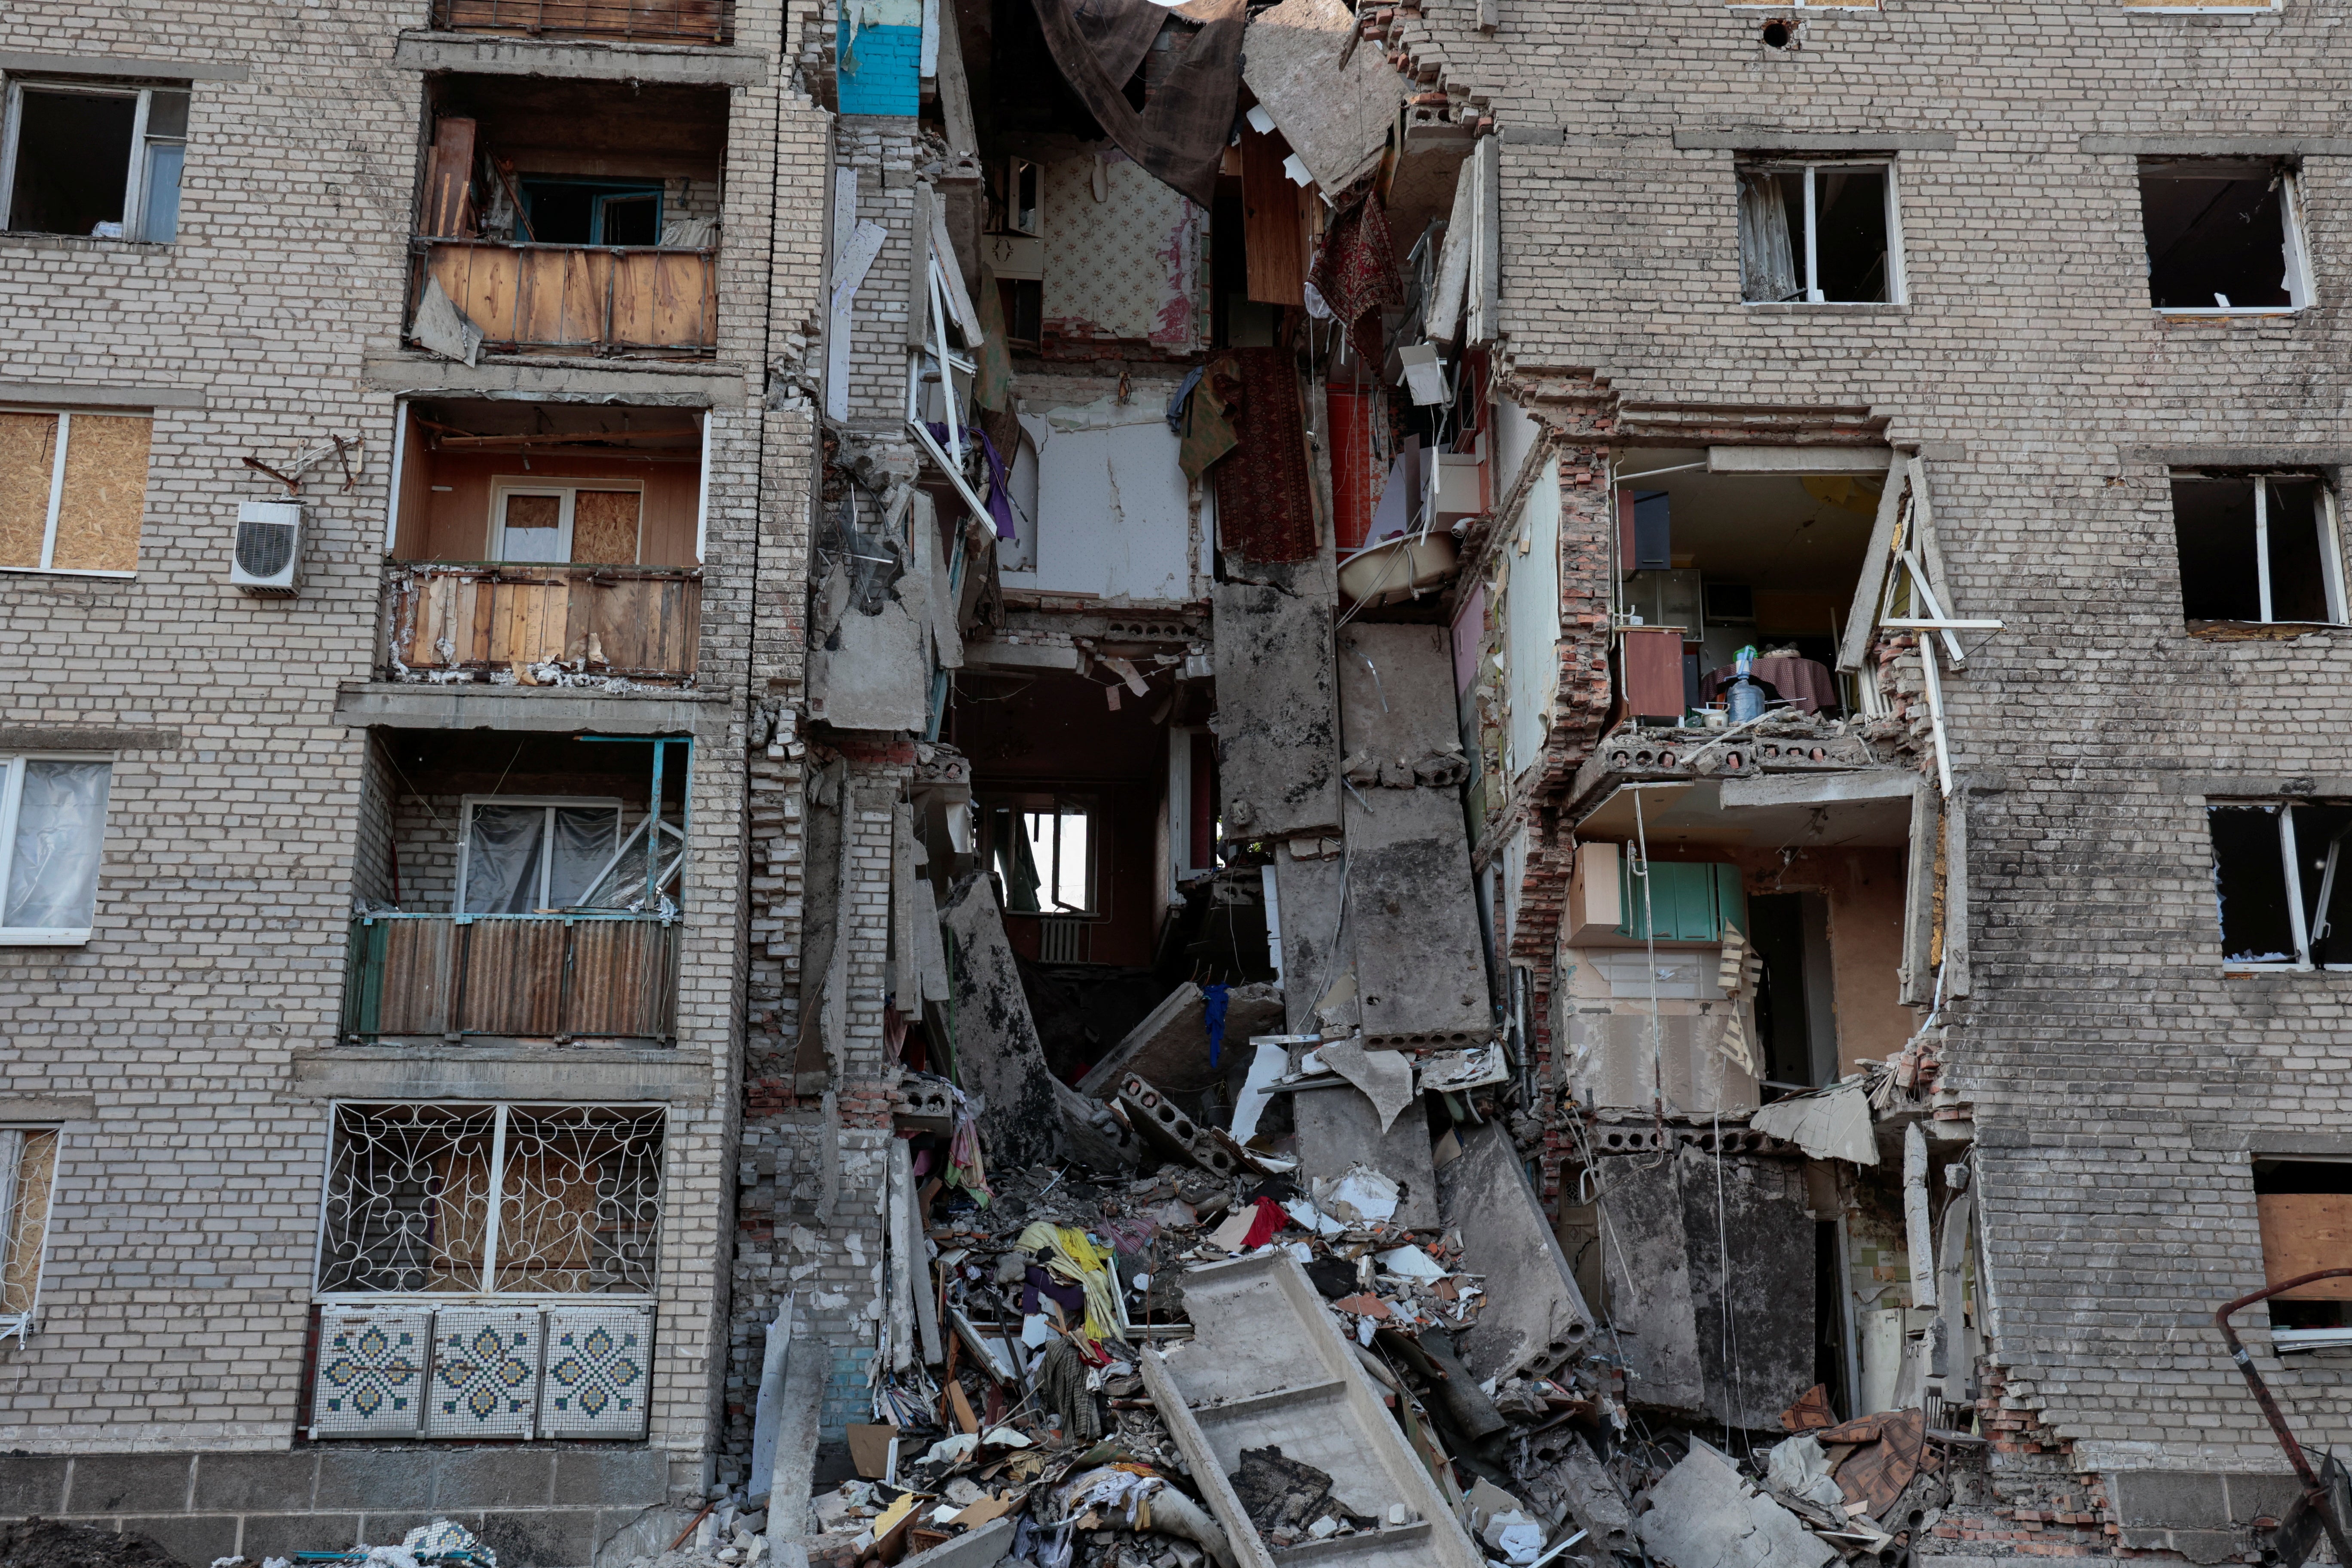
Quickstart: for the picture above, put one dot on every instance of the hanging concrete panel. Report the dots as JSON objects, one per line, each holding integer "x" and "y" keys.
{"x": 996, "y": 1047}
{"x": 1396, "y": 697}
{"x": 1534, "y": 1319}
{"x": 1420, "y": 964}
{"x": 1338, "y": 1128}
{"x": 1277, "y": 724}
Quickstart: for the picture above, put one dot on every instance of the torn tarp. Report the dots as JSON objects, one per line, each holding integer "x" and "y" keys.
{"x": 1179, "y": 133}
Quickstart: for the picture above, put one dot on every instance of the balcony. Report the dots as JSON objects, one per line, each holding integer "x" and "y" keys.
{"x": 648, "y": 21}
{"x": 561, "y": 978}
{"x": 640, "y": 624}
{"x": 577, "y": 299}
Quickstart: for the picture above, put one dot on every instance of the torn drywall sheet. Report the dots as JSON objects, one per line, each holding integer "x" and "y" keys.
{"x": 1278, "y": 726}
{"x": 1833, "y": 1124}
{"x": 1535, "y": 1318}
{"x": 996, "y": 1047}
{"x": 1411, "y": 918}
{"x": 1384, "y": 1077}
{"x": 1336, "y": 116}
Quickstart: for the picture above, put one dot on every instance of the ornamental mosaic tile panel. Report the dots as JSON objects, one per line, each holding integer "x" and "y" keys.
{"x": 370, "y": 1378}
{"x": 485, "y": 1372}
{"x": 599, "y": 1365}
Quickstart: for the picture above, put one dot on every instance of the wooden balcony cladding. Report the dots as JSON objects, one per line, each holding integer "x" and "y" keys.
{"x": 667, "y": 21}
{"x": 638, "y": 622}
{"x": 578, "y": 299}
{"x": 512, "y": 977}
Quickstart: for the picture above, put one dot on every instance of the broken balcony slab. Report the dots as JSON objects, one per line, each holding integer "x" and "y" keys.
{"x": 996, "y": 1046}
{"x": 1278, "y": 725}
{"x": 1396, "y": 693}
{"x": 1413, "y": 918}
{"x": 1335, "y": 106}
{"x": 1338, "y": 1129}
{"x": 1268, "y": 1368}
{"x": 1706, "y": 1515}
{"x": 1535, "y": 1318}
{"x": 868, "y": 667}
{"x": 1871, "y": 809}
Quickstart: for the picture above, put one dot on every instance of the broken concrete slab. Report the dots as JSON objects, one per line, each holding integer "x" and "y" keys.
{"x": 1573, "y": 1477}
{"x": 1267, "y": 1367}
{"x": 1534, "y": 1319}
{"x": 1338, "y": 1128}
{"x": 997, "y": 1052}
{"x": 1396, "y": 692}
{"x": 1705, "y": 1515}
{"x": 1334, "y": 106}
{"x": 1413, "y": 920}
{"x": 981, "y": 1548}
{"x": 1171, "y": 1043}
{"x": 1318, "y": 989}
{"x": 1277, "y": 717}
{"x": 1163, "y": 1121}
{"x": 1833, "y": 1124}
{"x": 867, "y": 670}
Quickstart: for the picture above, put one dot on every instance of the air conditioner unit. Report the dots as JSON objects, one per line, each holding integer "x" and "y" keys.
{"x": 268, "y": 556}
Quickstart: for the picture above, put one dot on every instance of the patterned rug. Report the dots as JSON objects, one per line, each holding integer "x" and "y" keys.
{"x": 1266, "y": 498}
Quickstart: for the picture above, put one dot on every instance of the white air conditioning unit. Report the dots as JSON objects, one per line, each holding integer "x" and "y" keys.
{"x": 268, "y": 556}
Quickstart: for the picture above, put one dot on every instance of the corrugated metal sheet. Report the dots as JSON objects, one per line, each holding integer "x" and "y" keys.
{"x": 518, "y": 977}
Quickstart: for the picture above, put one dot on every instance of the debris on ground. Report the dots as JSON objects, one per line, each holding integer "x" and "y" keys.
{"x": 45, "y": 1543}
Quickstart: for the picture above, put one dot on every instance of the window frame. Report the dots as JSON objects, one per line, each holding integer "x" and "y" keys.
{"x": 12, "y": 800}
{"x": 1018, "y": 804}
{"x": 2284, "y": 1341}
{"x": 567, "y": 491}
{"x": 135, "y": 180}
{"x": 20, "y": 1325}
{"x": 2328, "y": 522}
{"x": 467, "y": 805}
{"x": 2298, "y": 922}
{"x": 1807, "y": 261}
{"x": 2296, "y": 252}
{"x": 63, "y": 417}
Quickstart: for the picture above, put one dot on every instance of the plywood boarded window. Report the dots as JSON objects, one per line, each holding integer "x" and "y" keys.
{"x": 2304, "y": 1207}
{"x": 73, "y": 487}
{"x": 589, "y": 522}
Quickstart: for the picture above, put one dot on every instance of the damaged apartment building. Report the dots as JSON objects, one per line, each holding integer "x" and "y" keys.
{"x": 1099, "y": 785}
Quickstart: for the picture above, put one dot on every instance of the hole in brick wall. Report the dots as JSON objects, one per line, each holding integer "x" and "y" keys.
{"x": 1779, "y": 35}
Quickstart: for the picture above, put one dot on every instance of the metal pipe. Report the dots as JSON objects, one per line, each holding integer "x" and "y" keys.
{"x": 2314, "y": 1495}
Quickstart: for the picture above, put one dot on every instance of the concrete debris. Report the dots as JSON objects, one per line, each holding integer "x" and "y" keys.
{"x": 1333, "y": 105}
{"x": 1413, "y": 918}
{"x": 1833, "y": 1123}
{"x": 1171, "y": 1043}
{"x": 996, "y": 1042}
{"x": 1277, "y": 724}
{"x": 1706, "y": 1515}
{"x": 1338, "y": 1129}
{"x": 1538, "y": 1320}
{"x": 1385, "y": 1077}
{"x": 869, "y": 669}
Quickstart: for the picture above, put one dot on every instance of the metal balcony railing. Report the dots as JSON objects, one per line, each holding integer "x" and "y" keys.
{"x": 565, "y": 977}
{"x": 642, "y": 623}
{"x": 662, "y": 21}
{"x": 579, "y": 299}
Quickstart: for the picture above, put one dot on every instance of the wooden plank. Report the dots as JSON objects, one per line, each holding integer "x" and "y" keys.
{"x": 29, "y": 447}
{"x": 484, "y": 620}
{"x": 105, "y": 493}
{"x": 1273, "y": 235}
{"x": 448, "y": 192}
{"x": 2302, "y": 1232}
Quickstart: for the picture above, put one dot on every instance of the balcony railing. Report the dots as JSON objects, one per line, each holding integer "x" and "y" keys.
{"x": 565, "y": 978}
{"x": 669, "y": 21}
{"x": 639, "y": 623}
{"x": 579, "y": 299}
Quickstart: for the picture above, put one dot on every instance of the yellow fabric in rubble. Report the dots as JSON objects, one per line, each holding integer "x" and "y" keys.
{"x": 1066, "y": 1251}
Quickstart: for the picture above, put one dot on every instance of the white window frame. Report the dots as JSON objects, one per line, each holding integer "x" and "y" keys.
{"x": 568, "y": 491}
{"x": 20, "y": 1325}
{"x": 2298, "y": 924}
{"x": 2331, "y": 542}
{"x": 1898, "y": 290}
{"x": 2267, "y": 5}
{"x": 12, "y": 798}
{"x": 2298, "y": 255}
{"x": 553, "y": 802}
{"x": 503, "y": 1109}
{"x": 134, "y": 186}
{"x": 63, "y": 417}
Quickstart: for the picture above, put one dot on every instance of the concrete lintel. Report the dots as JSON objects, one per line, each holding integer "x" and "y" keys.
{"x": 48, "y": 1108}
{"x": 16, "y": 64}
{"x": 2262, "y": 787}
{"x": 2241, "y": 456}
{"x": 1774, "y": 139}
{"x": 1798, "y": 459}
{"x": 572, "y": 58}
{"x": 540, "y": 709}
{"x": 85, "y": 738}
{"x": 556, "y": 1073}
{"x": 94, "y": 395}
{"x": 1820, "y": 789}
{"x": 2223, "y": 146}
{"x": 416, "y": 374}
{"x": 986, "y": 655}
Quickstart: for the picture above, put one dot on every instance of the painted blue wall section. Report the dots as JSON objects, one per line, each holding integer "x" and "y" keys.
{"x": 882, "y": 72}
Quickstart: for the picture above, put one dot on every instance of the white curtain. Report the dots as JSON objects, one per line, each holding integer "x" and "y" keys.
{"x": 1768, "y": 268}
{"x": 503, "y": 844}
{"x": 60, "y": 828}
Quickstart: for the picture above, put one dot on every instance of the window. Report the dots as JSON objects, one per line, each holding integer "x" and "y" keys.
{"x": 589, "y": 522}
{"x": 1044, "y": 853}
{"x": 1819, "y": 234}
{"x": 533, "y": 854}
{"x": 488, "y": 1271}
{"x": 590, "y": 212}
{"x": 72, "y": 490}
{"x": 2222, "y": 235}
{"x": 2258, "y": 548}
{"x": 2261, "y": 850}
{"x": 85, "y": 159}
{"x": 2304, "y": 1209}
{"x": 28, "y": 1169}
{"x": 52, "y": 829}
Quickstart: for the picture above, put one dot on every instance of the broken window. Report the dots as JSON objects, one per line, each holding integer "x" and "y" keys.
{"x": 2257, "y": 548}
{"x": 1044, "y": 853}
{"x": 1818, "y": 233}
{"x": 73, "y": 487}
{"x": 2260, "y": 851}
{"x": 52, "y": 829}
{"x": 87, "y": 159}
{"x": 2222, "y": 235}
{"x": 2304, "y": 1209}
{"x": 28, "y": 1168}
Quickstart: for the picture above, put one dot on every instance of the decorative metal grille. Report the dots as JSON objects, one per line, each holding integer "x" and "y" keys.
{"x": 29, "y": 1165}
{"x": 499, "y": 1199}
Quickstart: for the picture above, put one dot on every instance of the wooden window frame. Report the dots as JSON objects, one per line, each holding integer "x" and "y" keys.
{"x": 134, "y": 186}
{"x": 63, "y": 417}
{"x": 568, "y": 490}
{"x": 12, "y": 800}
